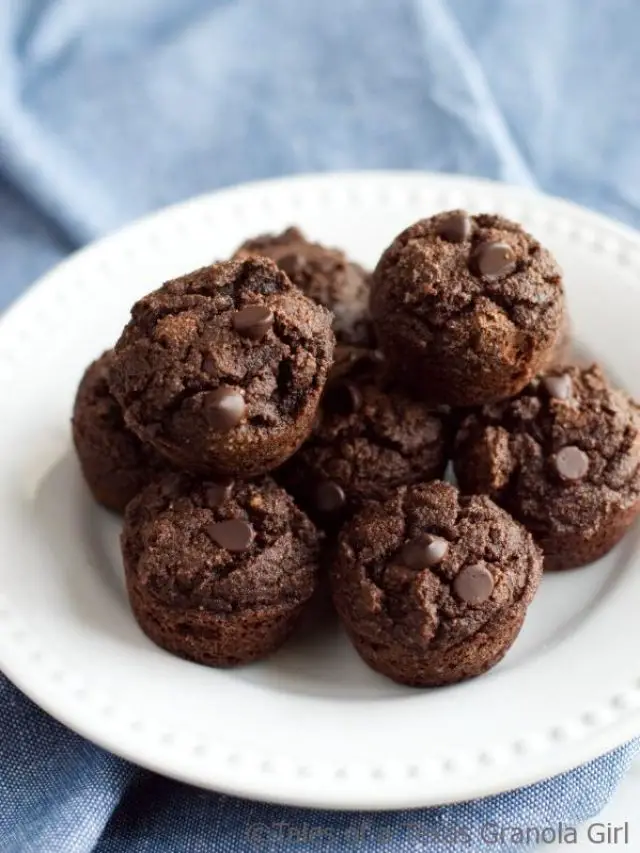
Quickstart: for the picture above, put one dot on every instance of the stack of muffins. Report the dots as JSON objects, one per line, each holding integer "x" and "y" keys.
{"x": 284, "y": 416}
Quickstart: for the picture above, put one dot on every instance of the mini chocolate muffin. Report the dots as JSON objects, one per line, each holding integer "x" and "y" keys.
{"x": 563, "y": 458}
{"x": 222, "y": 370}
{"x": 433, "y": 586}
{"x": 218, "y": 572}
{"x": 368, "y": 439}
{"x": 467, "y": 309}
{"x": 115, "y": 463}
{"x": 325, "y": 275}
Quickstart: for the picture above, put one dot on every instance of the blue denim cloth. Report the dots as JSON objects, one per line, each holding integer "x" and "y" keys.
{"x": 111, "y": 109}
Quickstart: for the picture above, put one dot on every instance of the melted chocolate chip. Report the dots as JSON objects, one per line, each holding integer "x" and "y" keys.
{"x": 224, "y": 408}
{"x": 493, "y": 260}
{"x": 571, "y": 463}
{"x": 330, "y": 497}
{"x": 474, "y": 584}
{"x": 217, "y": 493}
{"x": 253, "y": 322}
{"x": 456, "y": 228}
{"x": 559, "y": 387}
{"x": 233, "y": 535}
{"x": 424, "y": 552}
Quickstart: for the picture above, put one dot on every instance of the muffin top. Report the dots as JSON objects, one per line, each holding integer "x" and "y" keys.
{"x": 430, "y": 567}
{"x": 369, "y": 437}
{"x": 221, "y": 546}
{"x": 560, "y": 456}
{"x": 325, "y": 275}
{"x": 453, "y": 265}
{"x": 234, "y": 346}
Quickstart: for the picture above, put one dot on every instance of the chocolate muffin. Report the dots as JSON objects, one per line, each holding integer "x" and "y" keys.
{"x": 563, "y": 458}
{"x": 114, "y": 462}
{"x": 368, "y": 439}
{"x": 563, "y": 350}
{"x": 222, "y": 370}
{"x": 325, "y": 275}
{"x": 467, "y": 309}
{"x": 433, "y": 586}
{"x": 218, "y": 573}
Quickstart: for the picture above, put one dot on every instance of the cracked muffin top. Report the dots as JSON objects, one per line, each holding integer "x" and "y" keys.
{"x": 220, "y": 546}
{"x": 369, "y": 438}
{"x": 323, "y": 274}
{"x": 490, "y": 258}
{"x": 430, "y": 567}
{"x": 226, "y": 363}
{"x": 467, "y": 308}
{"x": 561, "y": 456}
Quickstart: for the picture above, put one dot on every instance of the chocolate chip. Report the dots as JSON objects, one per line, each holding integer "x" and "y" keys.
{"x": 330, "y": 497}
{"x": 474, "y": 584}
{"x": 232, "y": 535}
{"x": 224, "y": 408}
{"x": 494, "y": 260}
{"x": 571, "y": 463}
{"x": 253, "y": 322}
{"x": 342, "y": 398}
{"x": 560, "y": 387}
{"x": 455, "y": 228}
{"x": 292, "y": 264}
{"x": 217, "y": 493}
{"x": 424, "y": 552}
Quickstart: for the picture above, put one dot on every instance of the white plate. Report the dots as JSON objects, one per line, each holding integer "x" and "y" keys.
{"x": 311, "y": 726}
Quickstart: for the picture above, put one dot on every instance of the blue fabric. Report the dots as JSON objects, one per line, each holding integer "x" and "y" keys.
{"x": 108, "y": 110}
